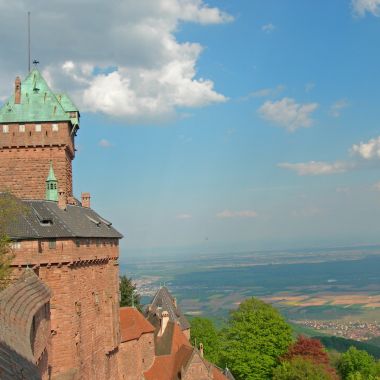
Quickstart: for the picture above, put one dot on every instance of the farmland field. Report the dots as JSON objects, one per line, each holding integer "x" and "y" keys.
{"x": 331, "y": 284}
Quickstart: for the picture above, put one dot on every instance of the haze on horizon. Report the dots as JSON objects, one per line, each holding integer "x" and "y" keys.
{"x": 216, "y": 125}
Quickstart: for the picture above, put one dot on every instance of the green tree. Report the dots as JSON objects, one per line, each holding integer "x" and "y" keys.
{"x": 357, "y": 364}
{"x": 128, "y": 294}
{"x": 10, "y": 209}
{"x": 301, "y": 369}
{"x": 255, "y": 337}
{"x": 204, "y": 331}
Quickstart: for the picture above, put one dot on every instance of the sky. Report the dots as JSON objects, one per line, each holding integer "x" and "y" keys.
{"x": 216, "y": 126}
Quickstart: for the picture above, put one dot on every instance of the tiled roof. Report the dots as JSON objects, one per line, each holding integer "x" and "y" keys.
{"x": 18, "y": 304}
{"x": 171, "y": 340}
{"x": 38, "y": 103}
{"x": 228, "y": 374}
{"x": 44, "y": 219}
{"x": 133, "y": 324}
{"x": 172, "y": 351}
{"x": 218, "y": 375}
{"x": 175, "y": 353}
{"x": 163, "y": 300}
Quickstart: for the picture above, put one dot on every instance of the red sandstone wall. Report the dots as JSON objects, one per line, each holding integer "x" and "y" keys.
{"x": 84, "y": 305}
{"x": 40, "y": 338}
{"x": 25, "y": 158}
{"x": 136, "y": 357}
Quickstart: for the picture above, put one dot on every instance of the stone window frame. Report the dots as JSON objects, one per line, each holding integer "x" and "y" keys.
{"x": 21, "y": 128}
{"x": 5, "y": 128}
{"x": 55, "y": 127}
{"x": 38, "y": 128}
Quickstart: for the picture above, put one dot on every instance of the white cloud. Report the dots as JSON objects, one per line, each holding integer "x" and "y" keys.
{"x": 309, "y": 87}
{"x": 227, "y": 214}
{"x": 316, "y": 167}
{"x": 307, "y": 212}
{"x": 268, "y": 28}
{"x": 288, "y": 114}
{"x": 184, "y": 216}
{"x": 361, "y": 7}
{"x": 364, "y": 151}
{"x": 376, "y": 186}
{"x": 367, "y": 150}
{"x": 105, "y": 143}
{"x": 338, "y": 106}
{"x": 343, "y": 190}
{"x": 121, "y": 58}
{"x": 266, "y": 92}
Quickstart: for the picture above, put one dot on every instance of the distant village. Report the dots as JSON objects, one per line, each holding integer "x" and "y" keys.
{"x": 357, "y": 330}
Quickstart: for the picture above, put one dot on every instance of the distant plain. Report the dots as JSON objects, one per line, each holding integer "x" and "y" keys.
{"x": 313, "y": 284}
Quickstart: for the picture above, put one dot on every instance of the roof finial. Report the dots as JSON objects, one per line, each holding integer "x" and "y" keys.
{"x": 29, "y": 42}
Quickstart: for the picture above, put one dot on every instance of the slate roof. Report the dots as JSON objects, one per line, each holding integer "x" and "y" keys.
{"x": 133, "y": 324}
{"x": 44, "y": 219}
{"x": 18, "y": 304}
{"x": 38, "y": 103}
{"x": 163, "y": 300}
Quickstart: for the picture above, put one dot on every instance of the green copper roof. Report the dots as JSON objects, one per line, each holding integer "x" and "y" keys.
{"x": 51, "y": 176}
{"x": 51, "y": 185}
{"x": 38, "y": 103}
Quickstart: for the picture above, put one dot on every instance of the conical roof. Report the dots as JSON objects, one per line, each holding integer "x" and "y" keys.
{"x": 38, "y": 103}
{"x": 51, "y": 175}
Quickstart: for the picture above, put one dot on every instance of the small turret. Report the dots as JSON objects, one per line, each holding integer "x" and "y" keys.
{"x": 51, "y": 185}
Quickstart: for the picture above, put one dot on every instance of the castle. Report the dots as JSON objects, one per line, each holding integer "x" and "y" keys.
{"x": 60, "y": 319}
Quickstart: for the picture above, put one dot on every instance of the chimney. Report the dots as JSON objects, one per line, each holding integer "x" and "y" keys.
{"x": 164, "y": 322}
{"x": 201, "y": 349}
{"x": 17, "y": 90}
{"x": 62, "y": 200}
{"x": 86, "y": 197}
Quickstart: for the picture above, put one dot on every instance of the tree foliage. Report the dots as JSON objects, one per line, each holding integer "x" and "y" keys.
{"x": 313, "y": 351}
{"x": 128, "y": 294}
{"x": 204, "y": 331}
{"x": 255, "y": 337}
{"x": 308, "y": 348}
{"x": 10, "y": 209}
{"x": 358, "y": 365}
{"x": 300, "y": 368}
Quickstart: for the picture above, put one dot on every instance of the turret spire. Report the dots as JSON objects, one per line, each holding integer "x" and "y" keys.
{"x": 51, "y": 185}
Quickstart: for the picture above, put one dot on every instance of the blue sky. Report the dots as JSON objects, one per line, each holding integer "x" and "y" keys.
{"x": 224, "y": 126}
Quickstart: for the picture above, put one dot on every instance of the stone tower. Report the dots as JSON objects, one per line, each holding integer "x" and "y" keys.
{"x": 37, "y": 126}
{"x": 73, "y": 250}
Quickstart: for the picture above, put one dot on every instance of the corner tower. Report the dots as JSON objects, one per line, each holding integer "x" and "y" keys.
{"x": 37, "y": 126}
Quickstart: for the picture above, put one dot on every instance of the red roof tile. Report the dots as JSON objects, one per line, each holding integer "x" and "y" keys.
{"x": 133, "y": 324}
{"x": 218, "y": 375}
